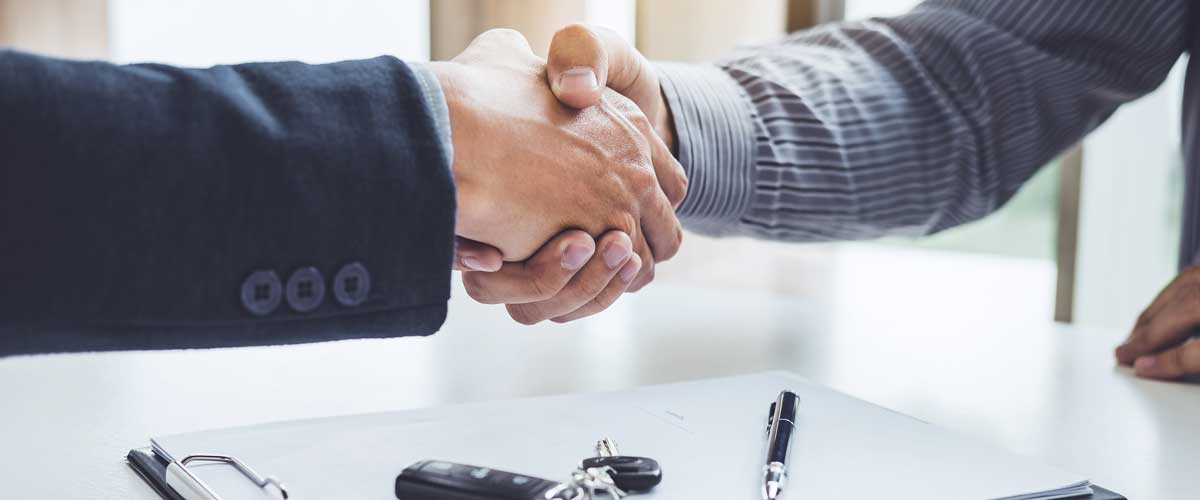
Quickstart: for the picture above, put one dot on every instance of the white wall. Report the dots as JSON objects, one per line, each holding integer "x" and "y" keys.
{"x": 207, "y": 32}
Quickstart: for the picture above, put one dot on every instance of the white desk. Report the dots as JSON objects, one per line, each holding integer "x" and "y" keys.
{"x": 959, "y": 360}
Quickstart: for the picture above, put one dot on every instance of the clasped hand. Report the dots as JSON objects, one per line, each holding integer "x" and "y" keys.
{"x": 578, "y": 199}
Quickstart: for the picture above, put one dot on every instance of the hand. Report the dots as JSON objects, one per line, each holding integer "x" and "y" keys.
{"x": 536, "y": 290}
{"x": 562, "y": 281}
{"x": 582, "y": 54}
{"x": 525, "y": 167}
{"x": 1160, "y": 345}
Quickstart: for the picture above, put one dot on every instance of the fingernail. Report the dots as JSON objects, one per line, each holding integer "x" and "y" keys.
{"x": 615, "y": 254}
{"x": 630, "y": 270}
{"x": 577, "y": 79}
{"x": 1144, "y": 363}
{"x": 473, "y": 264}
{"x": 575, "y": 257}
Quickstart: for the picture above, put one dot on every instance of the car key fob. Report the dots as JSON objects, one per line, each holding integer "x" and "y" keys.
{"x": 629, "y": 473}
{"x": 435, "y": 480}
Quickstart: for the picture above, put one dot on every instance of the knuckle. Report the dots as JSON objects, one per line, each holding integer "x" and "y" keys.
{"x": 635, "y": 115}
{"x": 677, "y": 188}
{"x": 573, "y": 30}
{"x": 523, "y": 314}
{"x": 1190, "y": 355}
{"x": 477, "y": 289}
{"x": 626, "y": 223}
{"x": 1144, "y": 318}
{"x": 644, "y": 181}
{"x": 1174, "y": 362}
{"x": 596, "y": 305}
{"x": 1191, "y": 294}
{"x": 671, "y": 247}
{"x": 543, "y": 282}
{"x": 1150, "y": 339}
{"x": 540, "y": 288}
{"x": 589, "y": 287}
{"x": 644, "y": 277}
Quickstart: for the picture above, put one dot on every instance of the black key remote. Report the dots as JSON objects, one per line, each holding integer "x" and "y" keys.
{"x": 436, "y": 480}
{"x": 628, "y": 473}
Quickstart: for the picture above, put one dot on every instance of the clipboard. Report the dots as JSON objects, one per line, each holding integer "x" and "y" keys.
{"x": 374, "y": 448}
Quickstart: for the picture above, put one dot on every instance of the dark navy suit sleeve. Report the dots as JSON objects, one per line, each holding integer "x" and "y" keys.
{"x": 148, "y": 206}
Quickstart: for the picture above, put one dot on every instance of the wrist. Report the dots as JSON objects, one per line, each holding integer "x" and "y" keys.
{"x": 450, "y": 78}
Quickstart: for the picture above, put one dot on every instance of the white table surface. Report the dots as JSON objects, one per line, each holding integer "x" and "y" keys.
{"x": 968, "y": 358}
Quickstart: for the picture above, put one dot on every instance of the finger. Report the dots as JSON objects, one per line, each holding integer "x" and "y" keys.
{"x": 616, "y": 248}
{"x": 577, "y": 66}
{"x": 646, "y": 274}
{"x": 539, "y": 278}
{"x": 1126, "y": 353}
{"x": 1172, "y": 325}
{"x": 661, "y": 229}
{"x": 670, "y": 174}
{"x": 584, "y": 59}
{"x": 1160, "y": 301}
{"x": 609, "y": 295}
{"x": 1175, "y": 363}
{"x": 471, "y": 255}
{"x": 1165, "y": 297}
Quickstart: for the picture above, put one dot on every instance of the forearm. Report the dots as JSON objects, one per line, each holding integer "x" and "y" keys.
{"x": 137, "y": 200}
{"x": 912, "y": 124}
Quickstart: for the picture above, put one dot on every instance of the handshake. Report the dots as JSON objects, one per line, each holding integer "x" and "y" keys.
{"x": 566, "y": 183}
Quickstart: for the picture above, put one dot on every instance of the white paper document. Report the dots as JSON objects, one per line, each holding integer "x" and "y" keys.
{"x": 707, "y": 435}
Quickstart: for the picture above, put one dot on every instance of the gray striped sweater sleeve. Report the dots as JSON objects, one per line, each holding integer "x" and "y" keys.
{"x": 907, "y": 125}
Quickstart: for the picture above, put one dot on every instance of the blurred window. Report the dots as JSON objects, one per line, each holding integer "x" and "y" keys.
{"x": 1129, "y": 214}
{"x": 1024, "y": 227}
{"x": 207, "y": 32}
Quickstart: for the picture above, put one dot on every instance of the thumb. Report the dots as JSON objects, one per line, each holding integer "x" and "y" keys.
{"x": 577, "y": 66}
{"x": 583, "y": 60}
{"x": 578, "y": 53}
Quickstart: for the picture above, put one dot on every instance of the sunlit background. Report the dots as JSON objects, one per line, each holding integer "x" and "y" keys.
{"x": 1121, "y": 214}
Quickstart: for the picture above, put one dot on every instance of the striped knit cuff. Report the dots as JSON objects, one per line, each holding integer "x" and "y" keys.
{"x": 714, "y": 133}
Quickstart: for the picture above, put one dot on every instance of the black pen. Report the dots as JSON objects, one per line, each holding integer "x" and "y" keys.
{"x": 780, "y": 425}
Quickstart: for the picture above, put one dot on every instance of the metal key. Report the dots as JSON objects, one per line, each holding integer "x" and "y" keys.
{"x": 592, "y": 479}
{"x": 627, "y": 473}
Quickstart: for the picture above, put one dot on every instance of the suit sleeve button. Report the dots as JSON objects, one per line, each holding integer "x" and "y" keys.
{"x": 352, "y": 284}
{"x": 261, "y": 292}
{"x": 305, "y": 289}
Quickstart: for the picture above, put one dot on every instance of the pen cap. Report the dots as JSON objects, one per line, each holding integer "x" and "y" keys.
{"x": 783, "y": 418}
{"x": 787, "y": 406}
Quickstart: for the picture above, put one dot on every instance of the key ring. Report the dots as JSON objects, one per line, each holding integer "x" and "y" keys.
{"x": 589, "y": 480}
